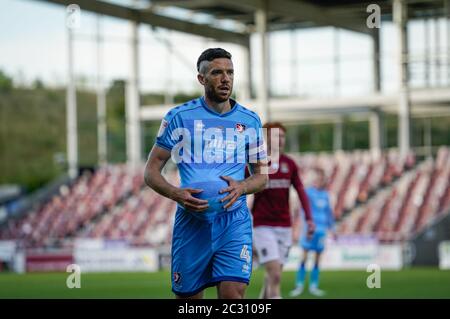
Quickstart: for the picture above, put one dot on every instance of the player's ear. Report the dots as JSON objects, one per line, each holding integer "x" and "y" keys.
{"x": 201, "y": 78}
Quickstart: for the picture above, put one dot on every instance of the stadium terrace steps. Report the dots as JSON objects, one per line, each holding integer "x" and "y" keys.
{"x": 437, "y": 197}
{"x": 412, "y": 202}
{"x": 66, "y": 213}
{"x": 143, "y": 219}
{"x": 26, "y": 203}
{"x": 381, "y": 194}
{"x": 354, "y": 177}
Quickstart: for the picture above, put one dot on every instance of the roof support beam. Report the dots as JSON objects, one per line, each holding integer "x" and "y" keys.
{"x": 302, "y": 10}
{"x": 404, "y": 105}
{"x": 263, "y": 83}
{"x": 156, "y": 20}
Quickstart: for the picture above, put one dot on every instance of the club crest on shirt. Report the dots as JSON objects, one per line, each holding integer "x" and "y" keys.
{"x": 321, "y": 203}
{"x": 240, "y": 127}
{"x": 284, "y": 168}
{"x": 177, "y": 278}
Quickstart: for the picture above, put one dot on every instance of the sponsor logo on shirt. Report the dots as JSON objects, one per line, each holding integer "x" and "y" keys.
{"x": 279, "y": 183}
{"x": 284, "y": 168}
{"x": 218, "y": 144}
{"x": 199, "y": 126}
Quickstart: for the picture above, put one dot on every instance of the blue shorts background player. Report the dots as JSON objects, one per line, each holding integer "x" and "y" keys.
{"x": 211, "y": 139}
{"x": 322, "y": 216}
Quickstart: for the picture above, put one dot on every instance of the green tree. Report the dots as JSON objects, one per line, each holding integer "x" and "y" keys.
{"x": 6, "y": 82}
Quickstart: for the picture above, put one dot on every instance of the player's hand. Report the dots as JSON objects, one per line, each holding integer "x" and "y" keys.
{"x": 335, "y": 236}
{"x": 183, "y": 196}
{"x": 295, "y": 238}
{"x": 235, "y": 189}
{"x": 310, "y": 228}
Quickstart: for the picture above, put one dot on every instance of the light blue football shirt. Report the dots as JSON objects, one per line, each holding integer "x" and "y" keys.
{"x": 321, "y": 211}
{"x": 206, "y": 145}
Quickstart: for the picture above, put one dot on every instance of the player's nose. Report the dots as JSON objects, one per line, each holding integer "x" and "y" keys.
{"x": 225, "y": 78}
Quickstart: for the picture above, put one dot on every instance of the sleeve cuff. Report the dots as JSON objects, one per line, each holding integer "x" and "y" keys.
{"x": 164, "y": 146}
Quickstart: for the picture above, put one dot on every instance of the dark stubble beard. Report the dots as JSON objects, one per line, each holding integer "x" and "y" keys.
{"x": 211, "y": 94}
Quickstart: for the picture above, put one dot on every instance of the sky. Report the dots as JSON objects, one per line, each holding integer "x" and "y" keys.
{"x": 33, "y": 44}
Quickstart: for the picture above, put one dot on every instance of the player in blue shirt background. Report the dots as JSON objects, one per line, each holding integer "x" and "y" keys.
{"x": 211, "y": 139}
{"x": 323, "y": 218}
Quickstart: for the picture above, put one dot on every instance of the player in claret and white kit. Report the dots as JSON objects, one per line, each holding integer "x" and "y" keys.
{"x": 271, "y": 214}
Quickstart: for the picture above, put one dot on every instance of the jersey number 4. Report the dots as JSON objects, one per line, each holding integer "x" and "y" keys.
{"x": 245, "y": 254}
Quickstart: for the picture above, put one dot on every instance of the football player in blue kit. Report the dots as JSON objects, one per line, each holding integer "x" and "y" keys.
{"x": 323, "y": 218}
{"x": 211, "y": 139}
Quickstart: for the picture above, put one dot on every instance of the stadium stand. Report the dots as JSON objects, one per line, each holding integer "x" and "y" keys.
{"x": 74, "y": 207}
{"x": 415, "y": 199}
{"x": 355, "y": 176}
{"x": 379, "y": 194}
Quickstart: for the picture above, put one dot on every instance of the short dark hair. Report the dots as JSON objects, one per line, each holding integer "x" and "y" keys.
{"x": 272, "y": 125}
{"x": 211, "y": 54}
{"x": 319, "y": 170}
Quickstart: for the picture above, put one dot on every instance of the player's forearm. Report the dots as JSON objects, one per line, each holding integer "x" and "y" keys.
{"x": 332, "y": 225}
{"x": 154, "y": 179}
{"x": 255, "y": 183}
{"x": 304, "y": 201}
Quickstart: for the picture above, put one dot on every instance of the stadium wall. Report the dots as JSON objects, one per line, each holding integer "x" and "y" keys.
{"x": 354, "y": 253}
{"x": 426, "y": 244}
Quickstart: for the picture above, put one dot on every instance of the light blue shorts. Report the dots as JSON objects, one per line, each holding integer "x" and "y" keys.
{"x": 316, "y": 243}
{"x": 205, "y": 252}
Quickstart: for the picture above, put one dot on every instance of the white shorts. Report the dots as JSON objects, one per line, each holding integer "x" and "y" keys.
{"x": 272, "y": 243}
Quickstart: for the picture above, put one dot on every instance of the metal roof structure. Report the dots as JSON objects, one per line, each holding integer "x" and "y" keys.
{"x": 234, "y": 21}
{"x": 281, "y": 14}
{"x": 288, "y": 14}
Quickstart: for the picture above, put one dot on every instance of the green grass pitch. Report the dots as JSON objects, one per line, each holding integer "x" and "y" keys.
{"x": 408, "y": 283}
